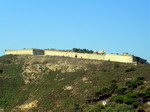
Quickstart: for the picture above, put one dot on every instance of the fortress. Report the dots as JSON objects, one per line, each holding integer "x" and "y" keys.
{"x": 96, "y": 55}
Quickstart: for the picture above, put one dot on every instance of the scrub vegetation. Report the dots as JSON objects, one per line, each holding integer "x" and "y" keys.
{"x": 126, "y": 87}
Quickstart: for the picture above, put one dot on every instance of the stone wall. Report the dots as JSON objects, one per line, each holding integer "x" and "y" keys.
{"x": 119, "y": 58}
{"x": 19, "y": 52}
{"x": 73, "y": 54}
{"x": 25, "y": 52}
{"x": 125, "y": 58}
{"x": 110, "y": 57}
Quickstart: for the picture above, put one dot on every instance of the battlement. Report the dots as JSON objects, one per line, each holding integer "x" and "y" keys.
{"x": 96, "y": 55}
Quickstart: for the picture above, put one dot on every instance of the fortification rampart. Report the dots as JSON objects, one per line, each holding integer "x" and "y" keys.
{"x": 110, "y": 57}
{"x": 19, "y": 52}
{"x": 25, "y": 52}
{"x": 125, "y": 58}
{"x": 119, "y": 58}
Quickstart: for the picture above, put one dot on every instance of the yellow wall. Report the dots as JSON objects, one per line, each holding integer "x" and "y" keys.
{"x": 111, "y": 57}
{"x": 119, "y": 58}
{"x": 20, "y": 52}
{"x": 25, "y": 52}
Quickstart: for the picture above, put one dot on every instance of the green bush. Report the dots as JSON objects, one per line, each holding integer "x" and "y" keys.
{"x": 96, "y": 108}
{"x": 129, "y": 69}
{"x": 142, "y": 87}
{"x": 140, "y": 78}
{"x": 118, "y": 108}
{"x": 1, "y": 71}
{"x": 111, "y": 108}
{"x": 77, "y": 108}
{"x": 113, "y": 87}
{"x": 131, "y": 98}
{"x": 104, "y": 70}
{"x": 5, "y": 61}
{"x": 135, "y": 104}
{"x": 120, "y": 91}
{"x": 113, "y": 81}
{"x": 116, "y": 66}
{"x": 82, "y": 50}
{"x": 135, "y": 83}
{"x": 118, "y": 98}
{"x": 147, "y": 92}
{"x": 131, "y": 84}
{"x": 103, "y": 90}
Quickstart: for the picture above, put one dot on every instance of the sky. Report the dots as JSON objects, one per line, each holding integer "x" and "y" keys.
{"x": 115, "y": 26}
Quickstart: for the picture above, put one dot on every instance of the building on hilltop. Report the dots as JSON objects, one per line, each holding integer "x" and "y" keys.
{"x": 96, "y": 55}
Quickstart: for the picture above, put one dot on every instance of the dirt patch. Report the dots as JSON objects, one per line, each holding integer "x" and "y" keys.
{"x": 28, "y": 106}
{"x": 68, "y": 88}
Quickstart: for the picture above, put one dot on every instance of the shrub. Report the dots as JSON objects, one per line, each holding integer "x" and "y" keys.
{"x": 5, "y": 61}
{"x": 103, "y": 90}
{"x": 135, "y": 104}
{"x": 118, "y": 108}
{"x": 1, "y": 71}
{"x": 148, "y": 89}
{"x": 135, "y": 83}
{"x": 118, "y": 99}
{"x": 120, "y": 91}
{"x": 129, "y": 69}
{"x": 129, "y": 100}
{"x": 140, "y": 78}
{"x": 147, "y": 92}
{"x": 96, "y": 108}
{"x": 113, "y": 81}
{"x": 116, "y": 66}
{"x": 131, "y": 84}
{"x": 133, "y": 99}
{"x": 104, "y": 70}
{"x": 140, "y": 82}
{"x": 113, "y": 87}
{"x": 77, "y": 108}
{"x": 82, "y": 50}
{"x": 142, "y": 87}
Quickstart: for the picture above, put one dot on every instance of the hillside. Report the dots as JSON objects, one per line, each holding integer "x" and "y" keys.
{"x": 63, "y": 84}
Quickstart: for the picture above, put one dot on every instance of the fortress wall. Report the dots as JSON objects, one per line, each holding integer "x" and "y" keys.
{"x": 62, "y": 53}
{"x": 55, "y": 53}
{"x": 19, "y": 52}
{"x": 91, "y": 56}
{"x": 74, "y": 55}
{"x": 106, "y": 57}
{"x": 111, "y": 57}
{"x": 119, "y": 58}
